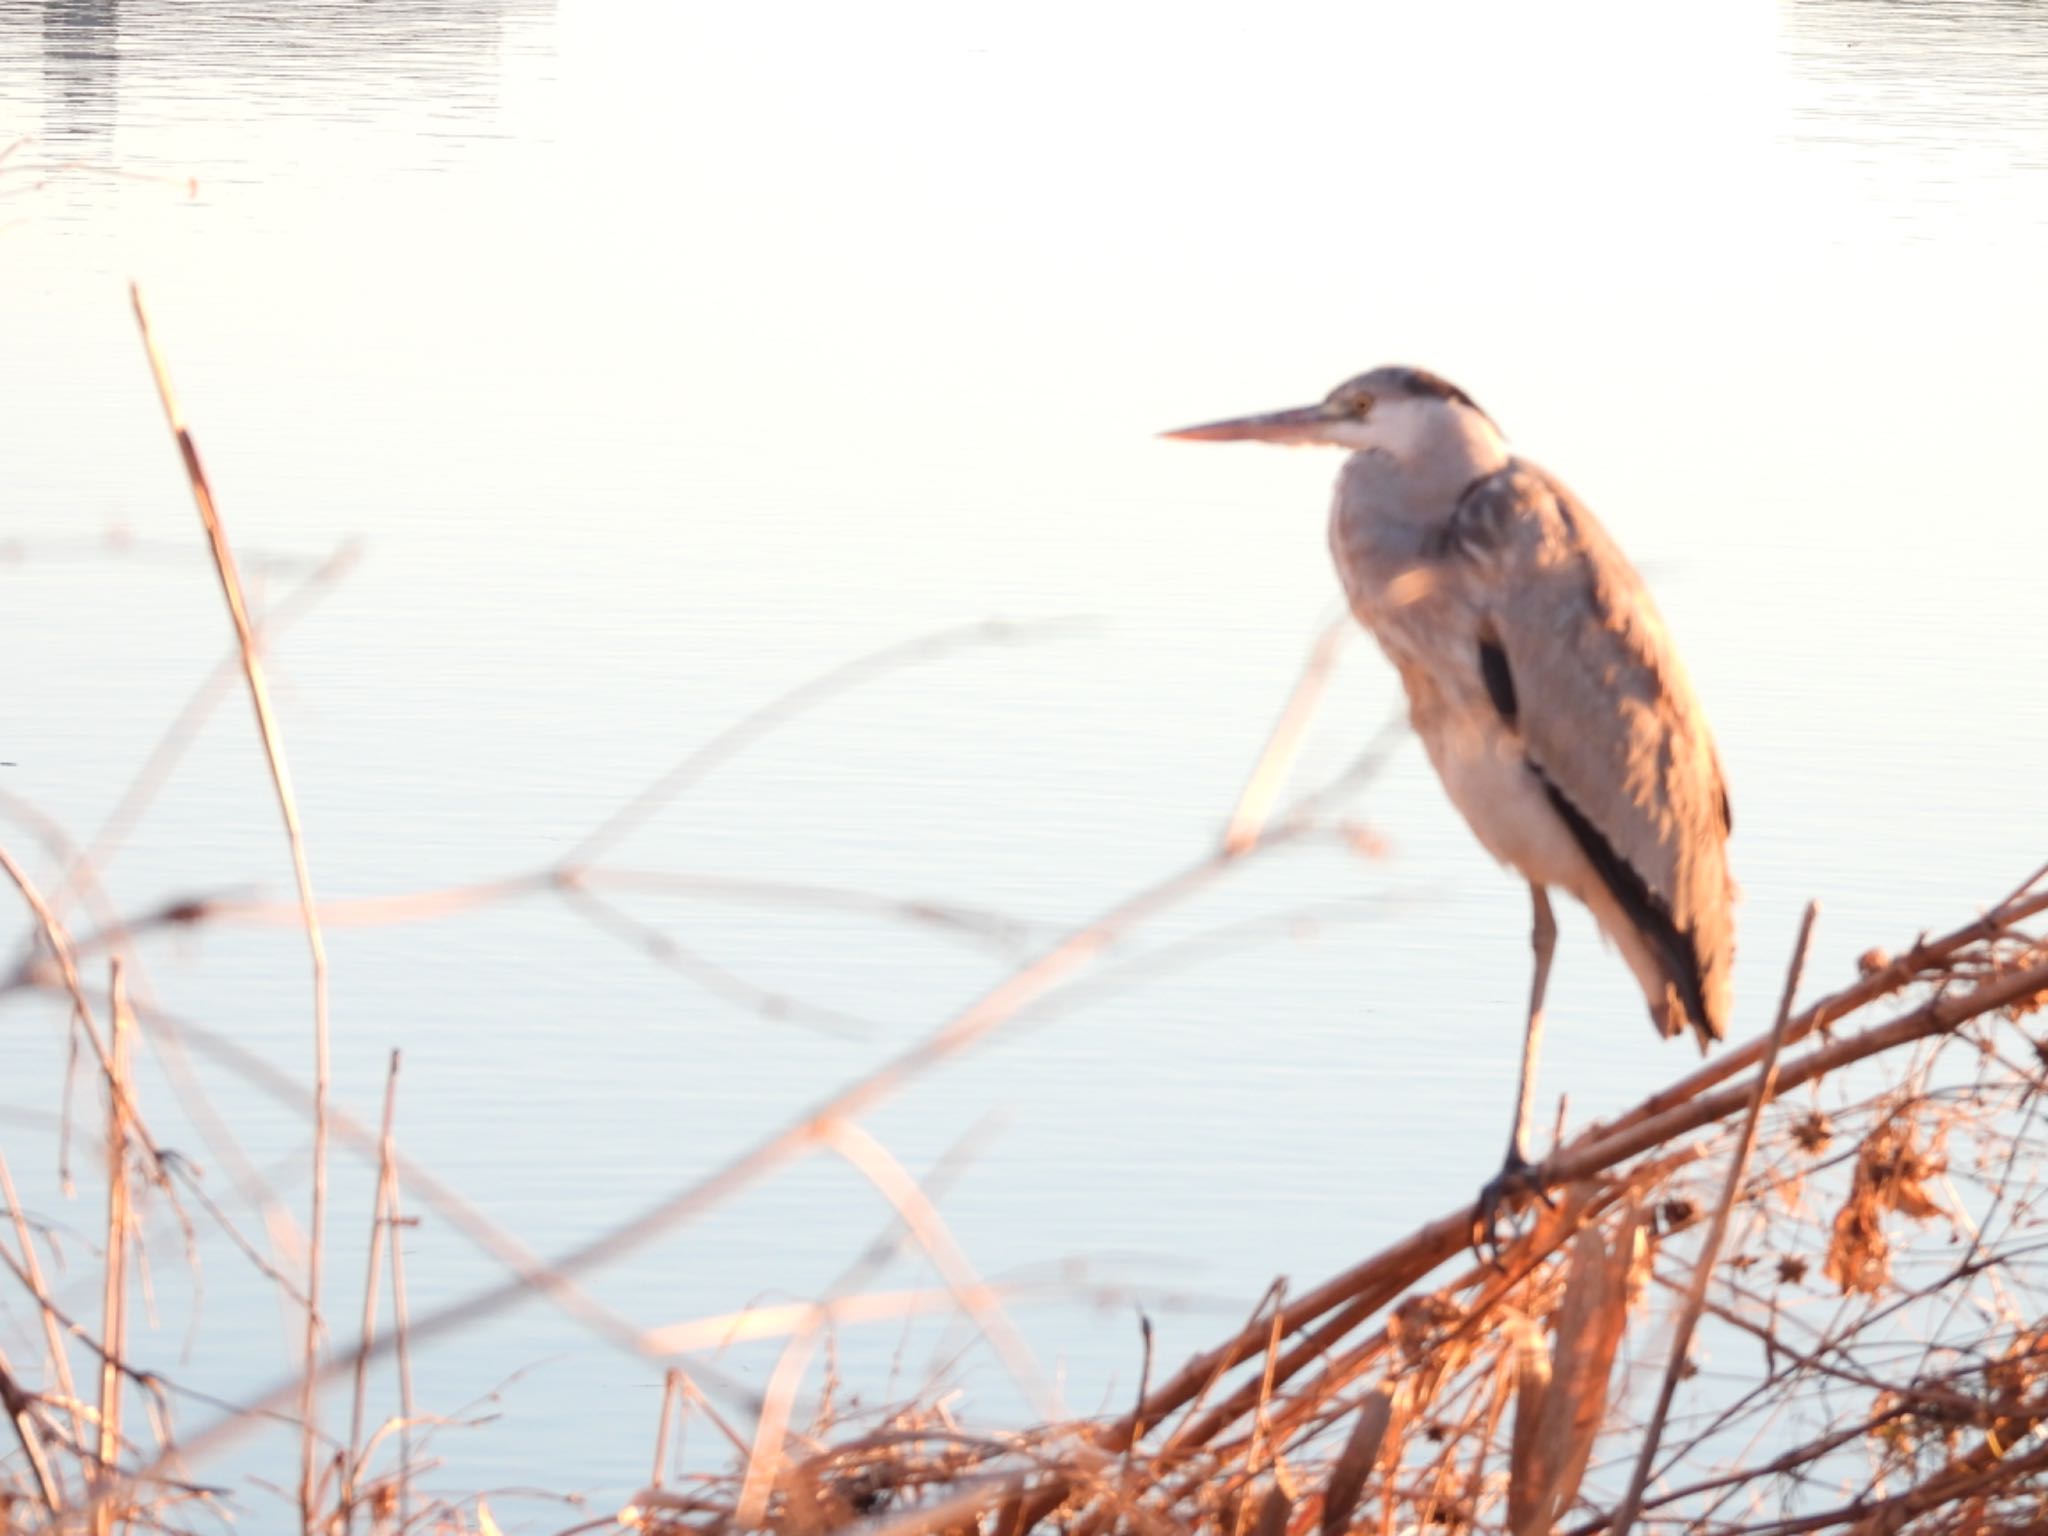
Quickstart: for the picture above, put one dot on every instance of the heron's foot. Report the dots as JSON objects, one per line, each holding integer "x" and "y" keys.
{"x": 1518, "y": 1181}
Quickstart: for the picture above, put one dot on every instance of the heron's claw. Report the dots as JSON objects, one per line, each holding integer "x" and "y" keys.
{"x": 1517, "y": 1180}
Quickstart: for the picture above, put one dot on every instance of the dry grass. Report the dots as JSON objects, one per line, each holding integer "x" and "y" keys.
{"x": 1799, "y": 1289}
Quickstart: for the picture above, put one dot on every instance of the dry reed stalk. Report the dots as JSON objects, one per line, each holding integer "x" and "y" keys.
{"x": 1255, "y": 804}
{"x": 1361, "y": 1453}
{"x": 974, "y": 1296}
{"x": 1442, "y": 1497}
{"x": 114, "y": 1296}
{"x": 66, "y": 953}
{"x": 671, "y": 1396}
{"x": 31, "y": 1275}
{"x": 64, "y": 851}
{"x": 802, "y": 1321}
{"x": 395, "y": 1224}
{"x": 1710, "y": 1249}
{"x": 778, "y": 1320}
{"x": 1502, "y": 1392}
{"x": 765, "y": 1460}
{"x": 54, "y": 935}
{"x": 1145, "y": 1343}
{"x": 977, "y": 1300}
{"x": 717, "y": 1420}
{"x": 352, "y": 1462}
{"x": 280, "y": 777}
{"x": 1255, "y": 1457}
{"x": 1257, "y": 1326}
{"x": 19, "y": 1406}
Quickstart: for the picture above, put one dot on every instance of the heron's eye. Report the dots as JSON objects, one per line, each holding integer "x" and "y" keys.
{"x": 1362, "y": 406}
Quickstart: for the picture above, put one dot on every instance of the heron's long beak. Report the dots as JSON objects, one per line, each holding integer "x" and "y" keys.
{"x": 1308, "y": 424}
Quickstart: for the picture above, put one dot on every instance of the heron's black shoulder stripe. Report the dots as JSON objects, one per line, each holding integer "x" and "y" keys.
{"x": 1500, "y": 682}
{"x": 1644, "y": 908}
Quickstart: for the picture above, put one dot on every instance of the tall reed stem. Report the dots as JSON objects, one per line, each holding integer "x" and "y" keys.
{"x": 287, "y": 803}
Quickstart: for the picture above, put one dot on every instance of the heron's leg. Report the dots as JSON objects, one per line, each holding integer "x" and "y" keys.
{"x": 1542, "y": 939}
{"x": 1514, "y": 1176}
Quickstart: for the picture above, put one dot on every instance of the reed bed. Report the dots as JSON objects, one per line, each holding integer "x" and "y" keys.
{"x": 1800, "y": 1289}
{"x": 1868, "y": 1283}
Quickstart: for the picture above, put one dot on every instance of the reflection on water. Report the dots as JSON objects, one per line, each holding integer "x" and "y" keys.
{"x": 666, "y": 358}
{"x": 334, "y": 62}
{"x": 1932, "y": 104}
{"x": 81, "y": 67}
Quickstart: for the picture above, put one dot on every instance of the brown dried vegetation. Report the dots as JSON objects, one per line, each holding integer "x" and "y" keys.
{"x": 1425, "y": 1390}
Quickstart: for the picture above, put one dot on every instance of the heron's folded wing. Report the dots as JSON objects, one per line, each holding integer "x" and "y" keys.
{"x": 1605, "y": 710}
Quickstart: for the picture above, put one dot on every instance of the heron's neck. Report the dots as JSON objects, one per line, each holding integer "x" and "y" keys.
{"x": 1391, "y": 492}
{"x": 1390, "y": 508}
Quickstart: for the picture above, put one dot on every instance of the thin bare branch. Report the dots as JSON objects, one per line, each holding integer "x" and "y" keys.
{"x": 1710, "y": 1249}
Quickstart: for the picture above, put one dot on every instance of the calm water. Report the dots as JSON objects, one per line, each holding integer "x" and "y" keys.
{"x": 658, "y": 362}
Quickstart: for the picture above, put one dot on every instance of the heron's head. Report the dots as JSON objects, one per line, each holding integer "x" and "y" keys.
{"x": 1407, "y": 413}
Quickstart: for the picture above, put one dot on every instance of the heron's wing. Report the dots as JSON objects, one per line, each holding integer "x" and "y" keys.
{"x": 1584, "y": 670}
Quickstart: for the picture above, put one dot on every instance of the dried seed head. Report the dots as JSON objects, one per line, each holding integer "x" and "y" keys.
{"x": 1891, "y": 1175}
{"x": 1791, "y": 1269}
{"x": 1416, "y": 1323}
{"x": 1814, "y": 1132}
{"x": 1677, "y": 1213}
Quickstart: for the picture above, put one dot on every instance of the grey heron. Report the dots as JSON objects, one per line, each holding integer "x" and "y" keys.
{"x": 1544, "y": 687}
